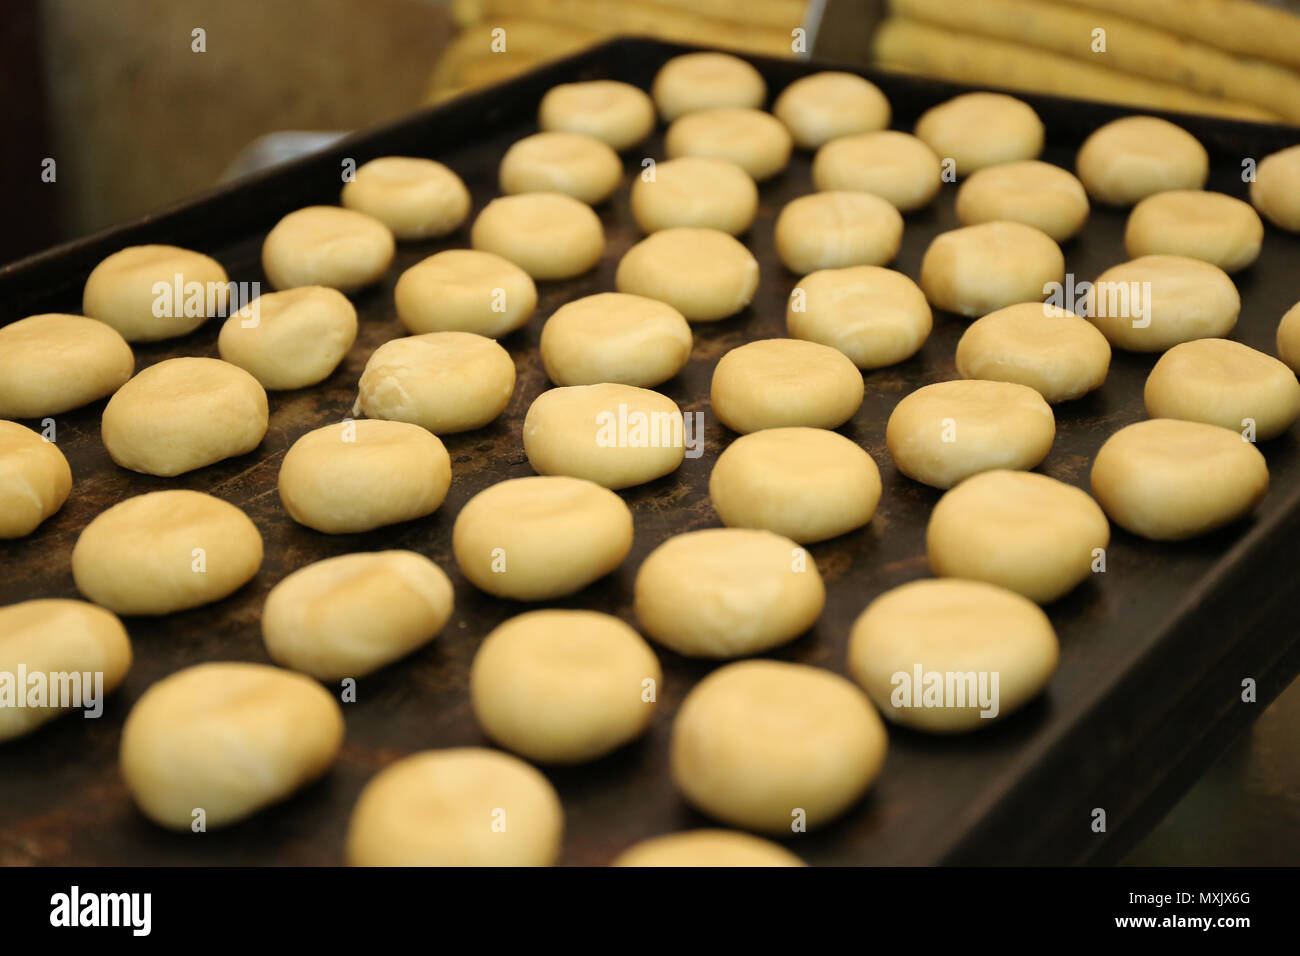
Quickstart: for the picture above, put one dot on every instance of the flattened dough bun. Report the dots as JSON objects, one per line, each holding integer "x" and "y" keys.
{"x": 1188, "y": 299}
{"x": 615, "y": 337}
{"x": 358, "y": 475}
{"x": 728, "y": 592}
{"x": 1201, "y": 225}
{"x": 467, "y": 806}
{"x": 1035, "y": 193}
{"x": 704, "y": 274}
{"x": 895, "y": 166}
{"x": 1224, "y": 383}
{"x": 1052, "y": 350}
{"x": 827, "y": 105}
{"x": 463, "y": 290}
{"x": 415, "y": 198}
{"x": 978, "y": 269}
{"x": 446, "y": 382}
{"x": 165, "y": 551}
{"x": 807, "y": 484}
{"x": 541, "y": 537}
{"x": 1169, "y": 480}
{"x": 1288, "y": 338}
{"x": 835, "y": 230}
{"x": 574, "y": 164}
{"x": 226, "y": 738}
{"x": 755, "y": 141}
{"x": 120, "y": 292}
{"x": 58, "y": 636}
{"x": 617, "y": 114}
{"x": 951, "y": 627}
{"x": 946, "y": 432}
{"x": 1134, "y": 157}
{"x": 547, "y": 234}
{"x": 54, "y": 363}
{"x": 182, "y": 414}
{"x": 615, "y": 435}
{"x": 325, "y": 245}
{"x": 350, "y": 615}
{"x": 1019, "y": 530}
{"x": 290, "y": 339}
{"x": 701, "y": 81}
{"x": 1276, "y": 189}
{"x": 695, "y": 192}
{"x": 978, "y": 130}
{"x": 564, "y": 687}
{"x": 712, "y": 848}
{"x": 875, "y": 316}
{"x": 34, "y": 480}
{"x": 762, "y": 744}
{"x": 774, "y": 383}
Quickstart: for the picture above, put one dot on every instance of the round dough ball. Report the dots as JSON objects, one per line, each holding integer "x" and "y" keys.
{"x": 415, "y": 198}
{"x": 952, "y": 629}
{"x": 807, "y": 484}
{"x": 875, "y": 316}
{"x": 467, "y": 806}
{"x": 1288, "y": 338}
{"x": 1197, "y": 224}
{"x": 836, "y": 230}
{"x": 613, "y": 337}
{"x": 570, "y": 163}
{"x": 1169, "y": 480}
{"x": 979, "y": 269}
{"x": 978, "y": 130}
{"x": 1037, "y": 194}
{"x": 563, "y": 687}
{"x": 946, "y": 432}
{"x": 701, "y": 81}
{"x": 704, "y": 274}
{"x": 718, "y": 848}
{"x": 1134, "y": 157}
{"x": 182, "y": 414}
{"x": 325, "y": 245}
{"x": 229, "y": 739}
{"x": 290, "y": 339}
{"x": 759, "y": 743}
{"x": 165, "y": 551}
{"x": 755, "y": 141}
{"x": 1276, "y": 189}
{"x": 462, "y": 290}
{"x": 54, "y": 637}
{"x": 548, "y": 235}
{"x": 1050, "y": 349}
{"x": 615, "y": 435}
{"x": 695, "y": 192}
{"x": 895, "y": 166}
{"x": 728, "y": 592}
{"x": 617, "y": 114}
{"x": 773, "y": 383}
{"x": 121, "y": 292}
{"x": 34, "y": 480}
{"x": 1022, "y": 531}
{"x": 446, "y": 382}
{"x": 541, "y": 537}
{"x": 54, "y": 363}
{"x": 356, "y": 476}
{"x": 1153, "y": 303}
{"x": 350, "y": 615}
{"x": 827, "y": 105}
{"x": 1224, "y": 383}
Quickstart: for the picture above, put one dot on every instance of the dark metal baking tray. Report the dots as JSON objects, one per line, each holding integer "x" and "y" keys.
{"x": 1154, "y": 651}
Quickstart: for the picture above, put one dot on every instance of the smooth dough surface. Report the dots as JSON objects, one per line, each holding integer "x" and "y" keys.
{"x": 978, "y": 130}
{"x": 774, "y": 383}
{"x": 875, "y": 316}
{"x": 1288, "y": 338}
{"x": 728, "y": 592}
{"x": 547, "y": 234}
{"x": 895, "y": 166}
{"x": 978, "y": 269}
{"x": 464, "y": 290}
{"x": 761, "y": 744}
{"x": 120, "y": 292}
{"x": 712, "y": 848}
{"x": 615, "y": 337}
{"x": 53, "y": 363}
{"x": 290, "y": 339}
{"x": 827, "y": 105}
{"x": 415, "y": 198}
{"x": 701, "y": 81}
{"x": 695, "y": 192}
{"x": 574, "y": 164}
{"x": 1169, "y": 480}
{"x": 1186, "y": 299}
{"x": 1276, "y": 189}
{"x": 1197, "y": 224}
{"x": 326, "y": 245}
{"x": 834, "y": 230}
{"x": 34, "y": 480}
{"x": 618, "y": 114}
{"x": 704, "y": 274}
{"x": 755, "y": 141}
{"x": 1035, "y": 193}
{"x": 1134, "y": 157}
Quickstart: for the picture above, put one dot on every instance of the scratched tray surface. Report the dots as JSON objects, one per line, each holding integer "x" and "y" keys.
{"x": 62, "y": 800}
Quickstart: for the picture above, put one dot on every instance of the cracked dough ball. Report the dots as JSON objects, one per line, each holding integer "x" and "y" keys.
{"x": 701, "y": 81}
{"x": 462, "y": 290}
{"x": 695, "y": 192}
{"x": 613, "y": 337}
{"x": 837, "y": 229}
{"x": 1134, "y": 157}
{"x": 827, "y": 105}
{"x": 713, "y": 848}
{"x": 34, "y": 480}
{"x": 290, "y": 339}
{"x": 875, "y": 316}
{"x": 120, "y": 292}
{"x": 415, "y": 198}
{"x": 548, "y": 235}
{"x": 1031, "y": 192}
{"x": 1288, "y": 338}
{"x": 728, "y": 592}
{"x": 564, "y": 687}
{"x": 570, "y": 163}
{"x": 1276, "y": 189}
{"x": 165, "y": 551}
{"x": 54, "y": 363}
{"x": 895, "y": 166}
{"x": 755, "y": 141}
{"x": 704, "y": 274}
{"x": 325, "y": 245}
{"x": 978, "y": 269}
{"x": 761, "y": 744}
{"x": 1197, "y": 224}
{"x": 1169, "y": 480}
{"x": 978, "y": 130}
{"x": 773, "y": 383}
{"x": 1186, "y": 299}
{"x": 617, "y": 114}
{"x": 183, "y": 414}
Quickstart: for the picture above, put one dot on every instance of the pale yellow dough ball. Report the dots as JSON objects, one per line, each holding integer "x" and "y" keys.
{"x": 547, "y": 234}
{"x": 614, "y": 337}
{"x": 837, "y": 229}
{"x": 704, "y": 274}
{"x": 701, "y": 81}
{"x": 1153, "y": 303}
{"x": 570, "y": 163}
{"x": 695, "y": 192}
{"x": 824, "y": 106}
{"x": 1134, "y": 157}
{"x": 325, "y": 245}
{"x": 415, "y": 198}
{"x": 1288, "y": 338}
{"x": 290, "y": 339}
{"x": 54, "y": 363}
{"x": 875, "y": 316}
{"x": 463, "y": 290}
{"x": 148, "y": 293}
{"x": 617, "y": 114}
{"x": 774, "y": 383}
{"x": 34, "y": 480}
{"x": 1202, "y": 225}
{"x": 1276, "y": 189}
{"x": 712, "y": 848}
{"x": 978, "y": 130}
{"x": 978, "y": 269}
{"x": 755, "y": 141}
{"x": 1031, "y": 192}
{"x": 895, "y": 166}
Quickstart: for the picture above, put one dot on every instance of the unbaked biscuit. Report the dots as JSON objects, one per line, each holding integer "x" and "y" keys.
{"x": 1288, "y": 338}
{"x": 978, "y": 130}
{"x": 707, "y": 848}
{"x": 617, "y": 114}
{"x": 895, "y": 166}
{"x": 570, "y": 163}
{"x": 34, "y": 480}
{"x": 548, "y": 235}
{"x": 824, "y": 106}
{"x": 1201, "y": 225}
{"x": 1153, "y": 303}
{"x": 772, "y": 383}
{"x": 615, "y": 337}
{"x": 148, "y": 293}
{"x": 695, "y": 192}
{"x": 978, "y": 269}
{"x": 325, "y": 245}
{"x": 464, "y": 290}
{"x": 701, "y": 81}
{"x": 875, "y": 316}
{"x": 755, "y": 141}
{"x": 1276, "y": 189}
{"x": 415, "y": 198}
{"x": 1134, "y": 157}
{"x": 836, "y": 230}
{"x": 290, "y": 339}
{"x": 704, "y": 274}
{"x": 54, "y": 363}
{"x": 1035, "y": 193}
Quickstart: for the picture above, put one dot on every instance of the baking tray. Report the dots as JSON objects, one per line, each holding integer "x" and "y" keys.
{"x": 1153, "y": 652}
